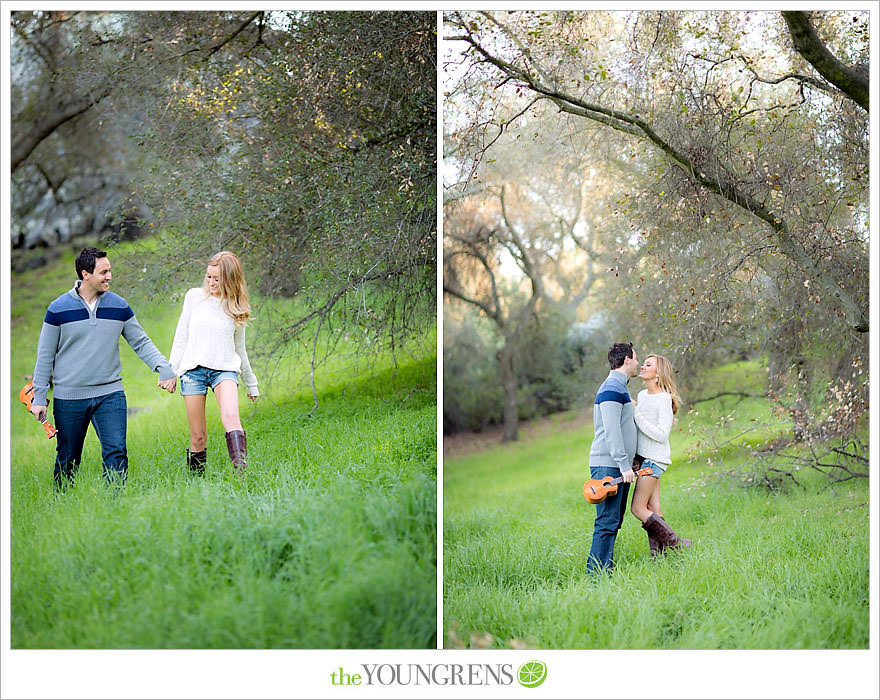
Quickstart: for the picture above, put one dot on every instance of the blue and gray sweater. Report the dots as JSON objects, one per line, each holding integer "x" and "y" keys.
{"x": 79, "y": 347}
{"x": 614, "y": 430}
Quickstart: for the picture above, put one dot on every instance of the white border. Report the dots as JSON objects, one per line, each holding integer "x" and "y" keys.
{"x": 306, "y": 673}
{"x": 439, "y": 89}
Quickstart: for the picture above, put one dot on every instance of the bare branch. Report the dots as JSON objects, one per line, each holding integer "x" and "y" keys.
{"x": 741, "y": 394}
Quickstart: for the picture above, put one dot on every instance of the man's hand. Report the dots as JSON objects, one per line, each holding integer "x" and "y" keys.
{"x": 168, "y": 384}
{"x": 629, "y": 476}
{"x": 39, "y": 412}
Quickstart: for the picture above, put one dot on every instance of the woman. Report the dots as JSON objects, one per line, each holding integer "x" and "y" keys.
{"x": 654, "y": 413}
{"x": 209, "y": 351}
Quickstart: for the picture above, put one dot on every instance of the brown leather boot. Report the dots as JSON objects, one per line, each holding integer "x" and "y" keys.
{"x": 236, "y": 443}
{"x": 196, "y": 461}
{"x": 665, "y": 535}
{"x": 653, "y": 542}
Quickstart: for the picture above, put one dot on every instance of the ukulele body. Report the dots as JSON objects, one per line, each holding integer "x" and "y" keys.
{"x": 597, "y": 490}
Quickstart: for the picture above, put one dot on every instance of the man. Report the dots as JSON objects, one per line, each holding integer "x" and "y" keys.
{"x": 612, "y": 452}
{"x": 78, "y": 351}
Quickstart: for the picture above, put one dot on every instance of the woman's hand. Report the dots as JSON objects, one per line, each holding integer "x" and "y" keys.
{"x": 253, "y": 398}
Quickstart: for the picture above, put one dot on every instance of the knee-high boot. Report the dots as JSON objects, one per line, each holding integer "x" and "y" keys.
{"x": 665, "y": 536}
{"x": 653, "y": 542}
{"x": 236, "y": 443}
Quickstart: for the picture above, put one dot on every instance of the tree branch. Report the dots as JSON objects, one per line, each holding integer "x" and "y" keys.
{"x": 473, "y": 251}
{"x": 635, "y": 125}
{"x": 808, "y": 44}
{"x": 474, "y": 302}
{"x": 220, "y": 44}
{"x": 26, "y": 143}
{"x": 728, "y": 393}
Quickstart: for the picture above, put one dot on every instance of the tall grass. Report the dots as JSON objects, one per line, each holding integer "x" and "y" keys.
{"x": 330, "y": 541}
{"x": 783, "y": 571}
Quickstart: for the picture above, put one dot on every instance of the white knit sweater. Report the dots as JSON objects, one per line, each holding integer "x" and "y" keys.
{"x": 207, "y": 336}
{"x": 653, "y": 417}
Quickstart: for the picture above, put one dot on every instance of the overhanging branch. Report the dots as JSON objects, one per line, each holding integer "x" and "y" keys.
{"x": 636, "y": 126}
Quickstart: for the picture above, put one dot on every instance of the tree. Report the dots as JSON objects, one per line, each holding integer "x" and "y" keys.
{"x": 471, "y": 273}
{"x": 312, "y": 154}
{"x": 707, "y": 119}
{"x": 304, "y": 141}
{"x": 741, "y": 223}
{"x": 526, "y": 239}
{"x": 83, "y": 81}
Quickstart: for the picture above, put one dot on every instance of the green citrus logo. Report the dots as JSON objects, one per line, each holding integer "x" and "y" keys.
{"x": 532, "y": 673}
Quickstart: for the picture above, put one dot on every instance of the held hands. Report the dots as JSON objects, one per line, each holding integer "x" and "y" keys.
{"x": 167, "y": 384}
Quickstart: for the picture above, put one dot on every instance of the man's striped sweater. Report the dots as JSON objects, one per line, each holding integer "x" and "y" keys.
{"x": 614, "y": 431}
{"x": 78, "y": 349}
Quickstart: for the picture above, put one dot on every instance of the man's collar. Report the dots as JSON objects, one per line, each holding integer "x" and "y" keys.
{"x": 76, "y": 287}
{"x": 625, "y": 376}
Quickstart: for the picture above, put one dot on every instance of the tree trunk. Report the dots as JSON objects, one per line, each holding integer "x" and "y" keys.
{"x": 508, "y": 381}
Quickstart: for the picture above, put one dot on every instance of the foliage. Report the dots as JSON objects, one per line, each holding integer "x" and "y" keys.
{"x": 726, "y": 185}
{"x": 83, "y": 82}
{"x": 312, "y": 155}
{"x": 303, "y": 141}
{"x": 472, "y": 397}
{"x": 559, "y": 365}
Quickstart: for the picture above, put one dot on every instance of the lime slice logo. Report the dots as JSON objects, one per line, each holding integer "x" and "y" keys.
{"x": 531, "y": 674}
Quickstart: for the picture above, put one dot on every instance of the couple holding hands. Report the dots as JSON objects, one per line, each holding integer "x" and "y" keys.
{"x": 78, "y": 355}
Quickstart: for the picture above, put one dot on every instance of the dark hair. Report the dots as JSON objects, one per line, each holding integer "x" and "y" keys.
{"x": 618, "y": 353}
{"x": 86, "y": 260}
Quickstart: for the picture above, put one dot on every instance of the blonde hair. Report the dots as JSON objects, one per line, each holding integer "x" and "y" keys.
{"x": 666, "y": 380}
{"x": 233, "y": 289}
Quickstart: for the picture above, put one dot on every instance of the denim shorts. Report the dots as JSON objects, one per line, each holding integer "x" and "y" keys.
{"x": 196, "y": 381}
{"x": 658, "y": 468}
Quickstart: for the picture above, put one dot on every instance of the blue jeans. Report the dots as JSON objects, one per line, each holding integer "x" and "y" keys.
{"x": 108, "y": 415}
{"x": 609, "y": 518}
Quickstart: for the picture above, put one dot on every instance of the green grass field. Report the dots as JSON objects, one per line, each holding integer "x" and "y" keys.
{"x": 776, "y": 571}
{"x": 329, "y": 543}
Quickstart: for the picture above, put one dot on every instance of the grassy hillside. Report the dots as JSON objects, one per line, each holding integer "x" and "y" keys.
{"x": 782, "y": 571}
{"x": 329, "y": 543}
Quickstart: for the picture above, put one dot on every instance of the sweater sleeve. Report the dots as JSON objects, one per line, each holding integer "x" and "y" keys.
{"x": 181, "y": 335}
{"x": 660, "y": 428}
{"x": 247, "y": 374}
{"x": 611, "y": 411}
{"x": 47, "y": 347}
{"x": 143, "y": 347}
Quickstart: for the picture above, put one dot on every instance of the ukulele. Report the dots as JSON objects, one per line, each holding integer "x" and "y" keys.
{"x": 26, "y": 395}
{"x": 597, "y": 490}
